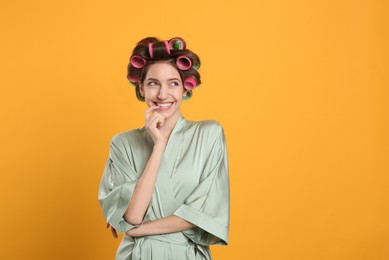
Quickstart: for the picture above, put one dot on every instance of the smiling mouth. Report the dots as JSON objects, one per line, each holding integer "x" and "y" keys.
{"x": 164, "y": 106}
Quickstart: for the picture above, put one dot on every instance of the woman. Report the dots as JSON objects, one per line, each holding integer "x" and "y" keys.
{"x": 166, "y": 185}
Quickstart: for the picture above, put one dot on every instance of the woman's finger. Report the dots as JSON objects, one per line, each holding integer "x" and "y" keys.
{"x": 155, "y": 121}
{"x": 152, "y": 122}
{"x": 114, "y": 233}
{"x": 161, "y": 121}
{"x": 149, "y": 111}
{"x": 153, "y": 117}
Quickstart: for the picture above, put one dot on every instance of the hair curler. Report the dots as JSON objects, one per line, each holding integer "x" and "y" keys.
{"x": 151, "y": 51}
{"x": 133, "y": 79}
{"x": 183, "y": 62}
{"x": 196, "y": 65}
{"x": 167, "y": 47}
{"x": 176, "y": 44}
{"x": 137, "y": 61}
{"x": 190, "y": 83}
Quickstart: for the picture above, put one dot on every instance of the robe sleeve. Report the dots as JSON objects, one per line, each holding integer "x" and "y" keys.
{"x": 117, "y": 185}
{"x": 208, "y": 206}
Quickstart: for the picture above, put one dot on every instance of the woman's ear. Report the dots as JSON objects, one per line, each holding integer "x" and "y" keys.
{"x": 185, "y": 92}
{"x": 141, "y": 91}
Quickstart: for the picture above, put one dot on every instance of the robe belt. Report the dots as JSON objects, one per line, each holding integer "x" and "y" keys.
{"x": 176, "y": 238}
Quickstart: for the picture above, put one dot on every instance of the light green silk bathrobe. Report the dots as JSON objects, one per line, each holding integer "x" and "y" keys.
{"x": 192, "y": 183}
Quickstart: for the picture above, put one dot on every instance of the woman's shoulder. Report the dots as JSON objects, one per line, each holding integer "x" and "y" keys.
{"x": 128, "y": 136}
{"x": 206, "y": 124}
{"x": 209, "y": 126}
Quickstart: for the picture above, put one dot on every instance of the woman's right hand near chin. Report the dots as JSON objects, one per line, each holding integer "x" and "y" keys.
{"x": 154, "y": 121}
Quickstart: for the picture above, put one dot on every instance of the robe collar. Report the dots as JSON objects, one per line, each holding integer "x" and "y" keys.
{"x": 170, "y": 159}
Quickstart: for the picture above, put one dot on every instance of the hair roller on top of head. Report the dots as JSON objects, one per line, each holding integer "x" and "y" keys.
{"x": 137, "y": 61}
{"x": 151, "y": 51}
{"x": 183, "y": 62}
{"x": 158, "y": 46}
{"x": 177, "y": 44}
{"x": 167, "y": 47}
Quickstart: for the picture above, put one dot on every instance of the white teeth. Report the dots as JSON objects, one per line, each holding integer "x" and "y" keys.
{"x": 165, "y": 105}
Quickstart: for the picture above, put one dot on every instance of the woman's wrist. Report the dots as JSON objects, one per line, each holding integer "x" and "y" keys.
{"x": 159, "y": 147}
{"x": 135, "y": 232}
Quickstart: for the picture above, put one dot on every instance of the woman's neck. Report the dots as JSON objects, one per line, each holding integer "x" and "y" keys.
{"x": 169, "y": 124}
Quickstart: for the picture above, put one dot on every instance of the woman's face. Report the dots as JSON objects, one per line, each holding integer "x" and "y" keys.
{"x": 163, "y": 87}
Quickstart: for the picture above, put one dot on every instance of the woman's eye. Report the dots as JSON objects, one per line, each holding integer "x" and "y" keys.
{"x": 151, "y": 83}
{"x": 174, "y": 83}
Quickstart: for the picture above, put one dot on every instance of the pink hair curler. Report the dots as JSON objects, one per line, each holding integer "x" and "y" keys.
{"x": 183, "y": 62}
{"x": 151, "y": 51}
{"x": 176, "y": 44}
{"x": 190, "y": 83}
{"x": 133, "y": 79}
{"x": 137, "y": 61}
{"x": 167, "y": 47}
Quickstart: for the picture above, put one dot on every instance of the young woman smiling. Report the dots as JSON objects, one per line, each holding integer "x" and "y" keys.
{"x": 166, "y": 185}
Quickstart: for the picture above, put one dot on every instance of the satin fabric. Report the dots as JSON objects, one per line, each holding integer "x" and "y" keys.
{"x": 192, "y": 183}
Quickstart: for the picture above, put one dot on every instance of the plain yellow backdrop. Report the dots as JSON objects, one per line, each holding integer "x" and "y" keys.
{"x": 300, "y": 87}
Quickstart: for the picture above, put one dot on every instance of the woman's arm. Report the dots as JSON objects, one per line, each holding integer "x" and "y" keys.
{"x": 143, "y": 191}
{"x": 165, "y": 225}
{"x": 144, "y": 188}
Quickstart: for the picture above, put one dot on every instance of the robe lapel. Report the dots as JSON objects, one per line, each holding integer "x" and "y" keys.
{"x": 164, "y": 186}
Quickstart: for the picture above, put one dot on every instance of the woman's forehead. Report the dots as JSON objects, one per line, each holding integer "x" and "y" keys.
{"x": 162, "y": 70}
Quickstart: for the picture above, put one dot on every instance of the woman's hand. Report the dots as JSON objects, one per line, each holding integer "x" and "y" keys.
{"x": 113, "y": 230}
{"x": 134, "y": 232}
{"x": 154, "y": 121}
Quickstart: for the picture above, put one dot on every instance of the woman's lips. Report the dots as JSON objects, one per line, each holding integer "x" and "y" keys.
{"x": 164, "y": 106}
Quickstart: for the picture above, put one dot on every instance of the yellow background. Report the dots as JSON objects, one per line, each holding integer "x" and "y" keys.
{"x": 301, "y": 88}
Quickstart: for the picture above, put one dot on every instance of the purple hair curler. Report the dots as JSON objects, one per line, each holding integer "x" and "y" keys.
{"x": 190, "y": 83}
{"x": 183, "y": 62}
{"x": 137, "y": 61}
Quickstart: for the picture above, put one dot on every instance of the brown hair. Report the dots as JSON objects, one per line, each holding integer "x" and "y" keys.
{"x": 160, "y": 52}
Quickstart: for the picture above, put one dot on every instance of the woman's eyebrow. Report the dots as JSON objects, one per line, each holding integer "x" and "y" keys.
{"x": 167, "y": 80}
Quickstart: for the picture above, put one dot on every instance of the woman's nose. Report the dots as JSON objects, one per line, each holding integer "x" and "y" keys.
{"x": 163, "y": 92}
